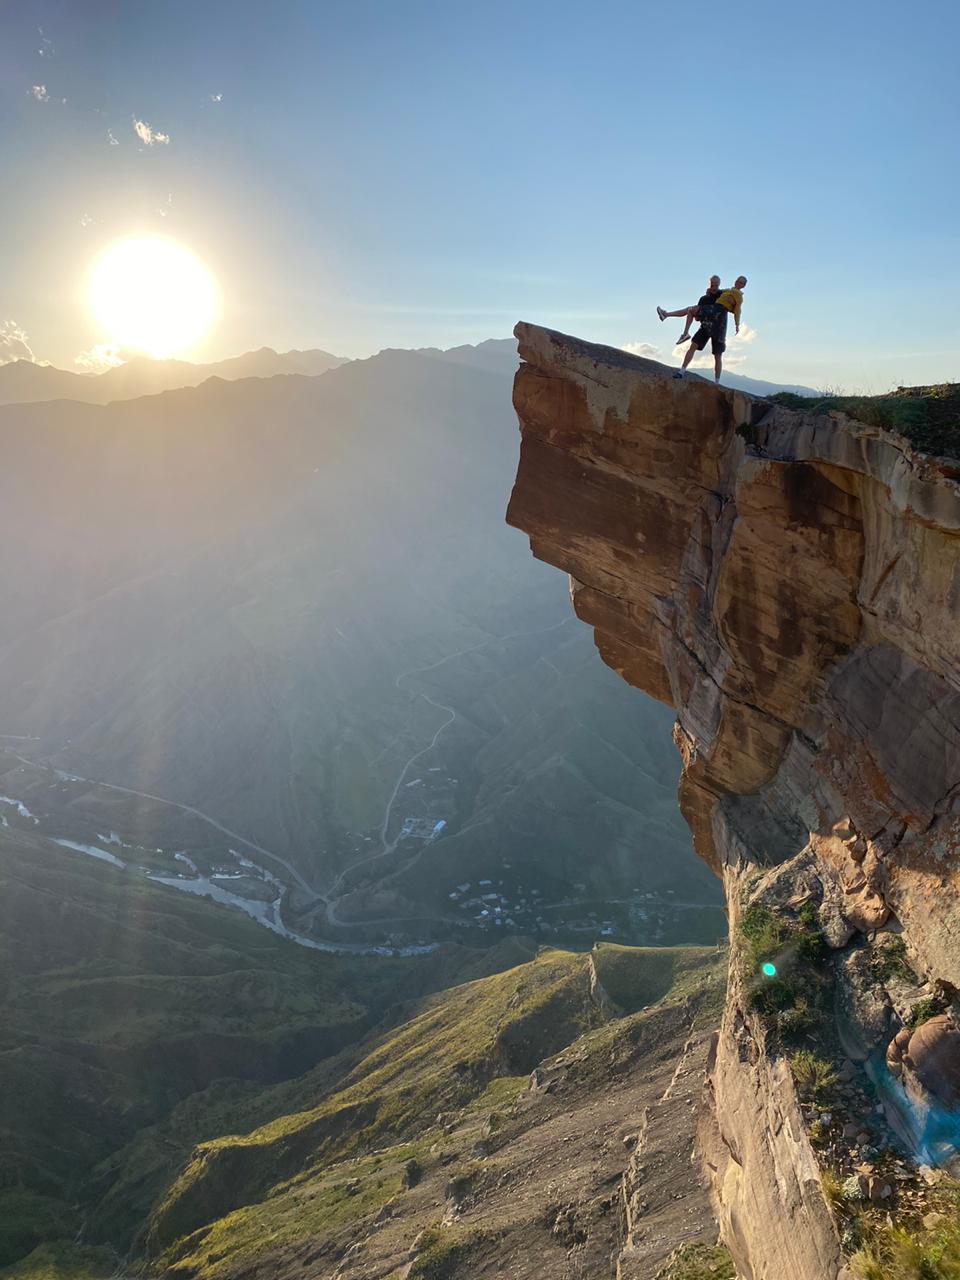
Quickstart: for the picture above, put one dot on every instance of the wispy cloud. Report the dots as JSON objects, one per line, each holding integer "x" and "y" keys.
{"x": 105, "y": 355}
{"x": 644, "y": 349}
{"x": 149, "y": 136}
{"x": 112, "y": 138}
{"x": 216, "y": 97}
{"x": 14, "y": 344}
{"x": 85, "y": 220}
{"x": 46, "y": 46}
{"x": 39, "y": 91}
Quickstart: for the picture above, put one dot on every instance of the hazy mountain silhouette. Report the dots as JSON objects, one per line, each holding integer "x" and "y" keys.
{"x": 24, "y": 382}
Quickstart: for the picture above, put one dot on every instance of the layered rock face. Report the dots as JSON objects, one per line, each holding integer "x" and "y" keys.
{"x": 791, "y": 585}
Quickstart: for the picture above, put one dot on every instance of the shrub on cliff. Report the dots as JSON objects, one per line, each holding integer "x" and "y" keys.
{"x": 895, "y": 1253}
{"x": 813, "y": 1075}
{"x": 888, "y": 959}
{"x": 783, "y": 970}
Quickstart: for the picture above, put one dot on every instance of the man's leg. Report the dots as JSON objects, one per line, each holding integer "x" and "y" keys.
{"x": 719, "y": 346}
{"x": 695, "y": 346}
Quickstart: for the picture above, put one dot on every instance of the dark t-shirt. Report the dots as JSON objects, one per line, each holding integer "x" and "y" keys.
{"x": 709, "y": 297}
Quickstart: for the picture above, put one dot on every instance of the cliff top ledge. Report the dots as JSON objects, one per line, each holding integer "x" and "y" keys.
{"x": 740, "y": 560}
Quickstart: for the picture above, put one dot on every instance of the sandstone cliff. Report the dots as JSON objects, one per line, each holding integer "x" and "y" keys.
{"x": 791, "y": 585}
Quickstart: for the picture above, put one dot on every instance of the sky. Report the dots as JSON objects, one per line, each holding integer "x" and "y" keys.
{"x": 415, "y": 172}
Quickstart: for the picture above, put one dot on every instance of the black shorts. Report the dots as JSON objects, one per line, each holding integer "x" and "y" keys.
{"x": 713, "y": 325}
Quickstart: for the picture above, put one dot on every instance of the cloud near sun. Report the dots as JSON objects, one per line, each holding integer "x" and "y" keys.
{"x": 148, "y": 135}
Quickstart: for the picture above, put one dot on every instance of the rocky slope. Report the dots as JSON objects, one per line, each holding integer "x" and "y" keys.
{"x": 790, "y": 583}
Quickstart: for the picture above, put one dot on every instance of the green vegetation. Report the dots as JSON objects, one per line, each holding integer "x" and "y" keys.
{"x": 311, "y": 1204}
{"x": 139, "y": 1026}
{"x": 813, "y": 1075}
{"x": 62, "y": 1260}
{"x": 440, "y": 1252}
{"x": 902, "y": 1253}
{"x": 888, "y": 959}
{"x": 135, "y": 1022}
{"x": 699, "y": 1262}
{"x": 380, "y": 1123}
{"x": 783, "y": 965}
{"x": 28, "y": 1218}
{"x": 924, "y": 1010}
{"x": 634, "y": 977}
{"x": 442, "y": 1058}
{"x": 929, "y": 417}
{"x": 832, "y": 1187}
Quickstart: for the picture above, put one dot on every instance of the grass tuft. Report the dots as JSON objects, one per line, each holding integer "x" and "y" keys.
{"x": 814, "y": 1076}
{"x": 699, "y": 1261}
{"x": 888, "y": 959}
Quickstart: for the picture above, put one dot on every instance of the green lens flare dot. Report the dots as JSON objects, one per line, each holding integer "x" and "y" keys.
{"x": 768, "y": 970}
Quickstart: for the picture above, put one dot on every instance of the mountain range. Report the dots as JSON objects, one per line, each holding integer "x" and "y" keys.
{"x": 23, "y": 381}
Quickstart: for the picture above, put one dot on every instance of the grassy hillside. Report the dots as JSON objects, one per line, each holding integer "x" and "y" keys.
{"x": 442, "y": 1057}
{"x": 427, "y": 1100}
{"x": 121, "y": 1001}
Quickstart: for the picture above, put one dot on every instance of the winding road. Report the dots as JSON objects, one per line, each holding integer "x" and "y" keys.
{"x": 387, "y": 846}
{"x": 196, "y": 813}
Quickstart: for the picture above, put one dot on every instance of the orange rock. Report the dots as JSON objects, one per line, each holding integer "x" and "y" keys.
{"x": 791, "y": 585}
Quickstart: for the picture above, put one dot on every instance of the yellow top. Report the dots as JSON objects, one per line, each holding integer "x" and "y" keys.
{"x": 731, "y": 300}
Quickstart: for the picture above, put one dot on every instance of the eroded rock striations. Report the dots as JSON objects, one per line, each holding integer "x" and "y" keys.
{"x": 790, "y": 583}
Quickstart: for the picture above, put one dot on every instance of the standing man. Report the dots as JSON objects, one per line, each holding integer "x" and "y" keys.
{"x": 713, "y": 325}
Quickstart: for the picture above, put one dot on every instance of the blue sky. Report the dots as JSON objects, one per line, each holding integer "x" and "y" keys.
{"x": 415, "y": 173}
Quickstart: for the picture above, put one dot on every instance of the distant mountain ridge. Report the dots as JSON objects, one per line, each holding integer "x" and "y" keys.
{"x": 22, "y": 382}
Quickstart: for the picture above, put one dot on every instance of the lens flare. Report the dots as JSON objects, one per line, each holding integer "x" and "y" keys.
{"x": 768, "y": 970}
{"x": 152, "y": 295}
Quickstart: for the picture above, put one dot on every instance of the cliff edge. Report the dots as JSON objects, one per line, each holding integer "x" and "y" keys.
{"x": 790, "y": 583}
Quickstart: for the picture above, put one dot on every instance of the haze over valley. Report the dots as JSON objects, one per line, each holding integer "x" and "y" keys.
{"x": 290, "y": 604}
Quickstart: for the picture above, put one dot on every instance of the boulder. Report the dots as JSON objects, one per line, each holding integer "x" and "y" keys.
{"x": 932, "y": 1054}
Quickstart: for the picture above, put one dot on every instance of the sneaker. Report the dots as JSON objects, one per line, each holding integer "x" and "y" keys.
{"x": 661, "y": 313}
{"x": 684, "y": 337}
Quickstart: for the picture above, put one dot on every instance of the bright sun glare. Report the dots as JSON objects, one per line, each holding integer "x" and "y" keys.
{"x": 152, "y": 295}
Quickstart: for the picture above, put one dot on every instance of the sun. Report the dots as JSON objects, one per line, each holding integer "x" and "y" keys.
{"x": 152, "y": 295}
